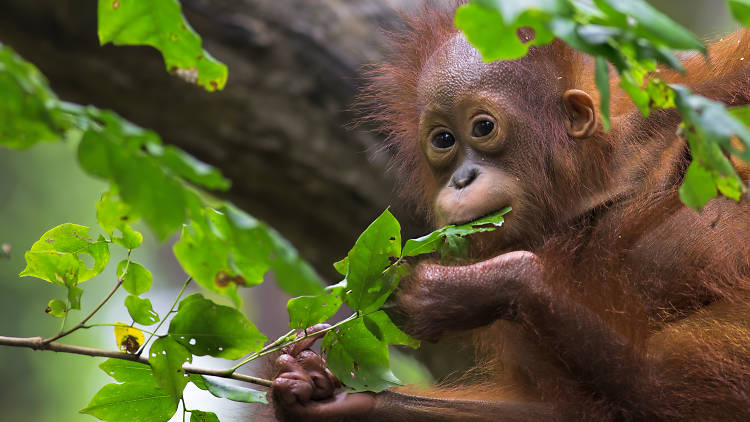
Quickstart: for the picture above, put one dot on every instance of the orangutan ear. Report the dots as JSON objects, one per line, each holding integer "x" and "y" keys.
{"x": 581, "y": 122}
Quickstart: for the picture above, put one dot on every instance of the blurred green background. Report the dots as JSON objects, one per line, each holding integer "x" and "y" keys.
{"x": 43, "y": 187}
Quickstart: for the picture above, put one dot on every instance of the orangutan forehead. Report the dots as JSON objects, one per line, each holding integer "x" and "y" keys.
{"x": 457, "y": 68}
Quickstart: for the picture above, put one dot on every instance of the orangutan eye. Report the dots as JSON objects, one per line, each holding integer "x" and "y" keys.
{"x": 482, "y": 128}
{"x": 443, "y": 140}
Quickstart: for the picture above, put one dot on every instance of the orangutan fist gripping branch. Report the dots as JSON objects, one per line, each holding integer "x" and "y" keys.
{"x": 602, "y": 298}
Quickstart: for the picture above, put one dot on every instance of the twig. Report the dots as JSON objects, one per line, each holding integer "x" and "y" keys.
{"x": 82, "y": 323}
{"x": 39, "y": 343}
{"x": 274, "y": 347}
{"x": 164, "y": 318}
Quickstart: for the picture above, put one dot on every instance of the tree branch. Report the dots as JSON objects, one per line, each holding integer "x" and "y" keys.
{"x": 38, "y": 343}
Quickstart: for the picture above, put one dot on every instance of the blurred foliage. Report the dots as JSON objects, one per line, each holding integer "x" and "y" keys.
{"x": 160, "y": 24}
{"x": 633, "y": 37}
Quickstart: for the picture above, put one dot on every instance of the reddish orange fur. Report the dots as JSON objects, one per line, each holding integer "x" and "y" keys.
{"x": 701, "y": 262}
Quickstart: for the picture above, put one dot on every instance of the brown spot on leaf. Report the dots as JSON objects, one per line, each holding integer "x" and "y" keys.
{"x": 224, "y": 279}
{"x": 214, "y": 85}
{"x": 356, "y": 366}
{"x": 116, "y": 4}
{"x": 130, "y": 344}
{"x": 47, "y": 310}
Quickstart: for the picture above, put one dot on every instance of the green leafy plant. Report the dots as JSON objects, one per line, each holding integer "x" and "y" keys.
{"x": 222, "y": 248}
{"x": 633, "y": 38}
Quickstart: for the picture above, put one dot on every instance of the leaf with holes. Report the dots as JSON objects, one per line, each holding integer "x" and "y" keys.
{"x": 160, "y": 24}
{"x": 127, "y": 371}
{"x": 206, "y": 328}
{"x": 57, "y": 308}
{"x": 132, "y": 402}
{"x": 375, "y": 250}
{"x": 357, "y": 358}
{"x": 492, "y": 26}
{"x": 57, "y": 256}
{"x": 166, "y": 357}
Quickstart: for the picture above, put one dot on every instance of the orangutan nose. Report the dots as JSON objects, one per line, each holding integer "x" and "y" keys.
{"x": 464, "y": 176}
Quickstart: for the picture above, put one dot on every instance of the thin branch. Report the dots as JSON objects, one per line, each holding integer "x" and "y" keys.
{"x": 164, "y": 318}
{"x": 276, "y": 347}
{"x": 39, "y": 343}
{"x": 81, "y": 324}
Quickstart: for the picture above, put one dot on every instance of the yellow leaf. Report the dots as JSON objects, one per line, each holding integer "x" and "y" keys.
{"x": 128, "y": 339}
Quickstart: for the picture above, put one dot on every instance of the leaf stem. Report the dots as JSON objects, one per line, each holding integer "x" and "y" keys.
{"x": 39, "y": 343}
{"x": 274, "y": 347}
{"x": 90, "y": 315}
{"x": 171, "y": 309}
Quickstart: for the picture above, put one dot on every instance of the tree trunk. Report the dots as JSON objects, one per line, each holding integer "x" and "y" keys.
{"x": 279, "y": 128}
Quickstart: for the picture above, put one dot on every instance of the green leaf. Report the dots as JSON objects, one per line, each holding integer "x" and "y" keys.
{"x": 201, "y": 416}
{"x": 492, "y": 25}
{"x": 698, "y": 187}
{"x": 74, "y": 296}
{"x": 602, "y": 83}
{"x": 198, "y": 381}
{"x": 372, "y": 254}
{"x": 141, "y": 310}
{"x": 29, "y": 110}
{"x": 127, "y": 371}
{"x": 132, "y": 402}
{"x": 709, "y": 128}
{"x": 425, "y": 244}
{"x": 114, "y": 153}
{"x": 292, "y": 273}
{"x": 166, "y": 357}
{"x": 654, "y": 25}
{"x": 160, "y": 24}
{"x": 484, "y": 224}
{"x": 233, "y": 392}
{"x": 449, "y": 236}
{"x": 741, "y": 113}
{"x": 57, "y": 308}
{"x": 306, "y": 311}
{"x": 636, "y": 93}
{"x": 56, "y": 257}
{"x": 740, "y": 11}
{"x": 342, "y": 266}
{"x": 410, "y": 370}
{"x": 357, "y": 358}
{"x": 206, "y": 328}
{"x": 389, "y": 332}
{"x": 137, "y": 280}
{"x": 731, "y": 187}
{"x": 192, "y": 169}
{"x": 113, "y": 214}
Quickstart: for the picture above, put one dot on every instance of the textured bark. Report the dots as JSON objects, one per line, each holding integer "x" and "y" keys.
{"x": 278, "y": 130}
